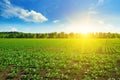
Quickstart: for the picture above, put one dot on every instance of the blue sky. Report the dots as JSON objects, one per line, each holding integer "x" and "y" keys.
{"x": 60, "y": 15}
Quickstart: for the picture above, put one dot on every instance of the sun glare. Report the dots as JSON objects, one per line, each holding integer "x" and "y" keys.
{"x": 85, "y": 30}
{"x": 80, "y": 28}
{"x": 84, "y": 25}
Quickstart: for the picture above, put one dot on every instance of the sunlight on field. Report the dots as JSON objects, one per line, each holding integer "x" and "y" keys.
{"x": 59, "y": 59}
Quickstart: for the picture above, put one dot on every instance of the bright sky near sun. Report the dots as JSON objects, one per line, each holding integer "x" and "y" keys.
{"x": 60, "y": 15}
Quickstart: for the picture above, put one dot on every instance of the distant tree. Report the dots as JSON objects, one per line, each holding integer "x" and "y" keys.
{"x": 52, "y": 35}
{"x": 61, "y": 35}
{"x": 57, "y": 35}
{"x": 71, "y": 35}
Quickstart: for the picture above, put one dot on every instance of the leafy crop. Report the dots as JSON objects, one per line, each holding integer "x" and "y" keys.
{"x": 60, "y": 59}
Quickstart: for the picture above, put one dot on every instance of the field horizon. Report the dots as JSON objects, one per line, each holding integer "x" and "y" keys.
{"x": 15, "y": 34}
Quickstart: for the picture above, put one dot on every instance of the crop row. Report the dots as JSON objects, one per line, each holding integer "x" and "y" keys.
{"x": 60, "y": 59}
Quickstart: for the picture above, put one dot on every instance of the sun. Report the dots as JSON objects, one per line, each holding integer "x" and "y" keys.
{"x": 85, "y": 30}
{"x": 80, "y": 28}
{"x": 84, "y": 25}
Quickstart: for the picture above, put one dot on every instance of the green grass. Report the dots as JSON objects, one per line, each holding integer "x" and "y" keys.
{"x": 66, "y": 59}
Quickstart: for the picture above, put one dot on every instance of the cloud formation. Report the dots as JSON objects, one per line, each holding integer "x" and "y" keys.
{"x": 13, "y": 29}
{"x": 93, "y": 7}
{"x": 93, "y": 21}
{"x": 9, "y": 10}
{"x": 56, "y": 21}
{"x": 93, "y": 15}
{"x": 100, "y": 2}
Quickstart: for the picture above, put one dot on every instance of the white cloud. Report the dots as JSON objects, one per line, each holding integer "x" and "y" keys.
{"x": 100, "y": 2}
{"x": 15, "y": 11}
{"x": 101, "y": 22}
{"x": 56, "y": 21}
{"x": 110, "y": 25}
{"x": 13, "y": 29}
{"x": 7, "y": 2}
{"x": 92, "y": 12}
{"x": 110, "y": 28}
{"x": 93, "y": 7}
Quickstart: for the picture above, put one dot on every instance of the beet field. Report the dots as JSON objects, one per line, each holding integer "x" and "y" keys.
{"x": 59, "y": 59}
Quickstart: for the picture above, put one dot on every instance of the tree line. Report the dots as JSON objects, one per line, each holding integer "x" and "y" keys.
{"x": 58, "y": 35}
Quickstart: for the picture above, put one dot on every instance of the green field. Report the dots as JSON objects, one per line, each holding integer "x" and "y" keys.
{"x": 59, "y": 59}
